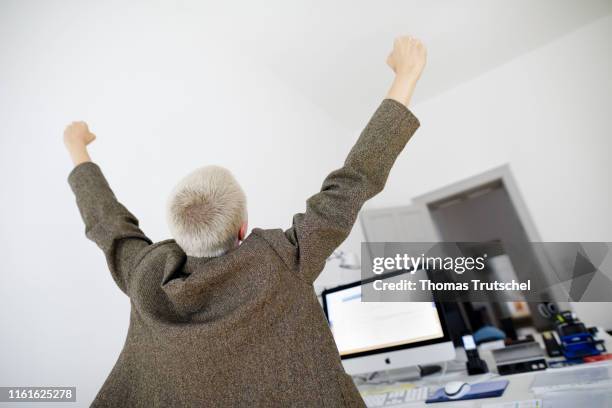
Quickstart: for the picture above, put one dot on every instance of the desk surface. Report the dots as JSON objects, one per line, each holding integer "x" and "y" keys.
{"x": 518, "y": 387}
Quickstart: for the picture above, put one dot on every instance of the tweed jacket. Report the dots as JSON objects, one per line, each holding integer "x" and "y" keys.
{"x": 244, "y": 329}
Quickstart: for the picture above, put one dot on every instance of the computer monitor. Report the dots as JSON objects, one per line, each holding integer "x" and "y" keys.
{"x": 375, "y": 336}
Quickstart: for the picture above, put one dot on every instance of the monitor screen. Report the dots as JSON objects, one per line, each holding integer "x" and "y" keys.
{"x": 364, "y": 327}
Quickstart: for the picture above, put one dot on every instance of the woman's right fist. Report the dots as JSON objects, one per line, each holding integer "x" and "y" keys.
{"x": 408, "y": 57}
{"x": 78, "y": 134}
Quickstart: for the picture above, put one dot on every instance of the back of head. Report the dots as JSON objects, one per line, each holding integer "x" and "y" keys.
{"x": 205, "y": 212}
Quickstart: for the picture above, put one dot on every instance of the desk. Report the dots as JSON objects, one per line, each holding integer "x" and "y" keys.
{"x": 518, "y": 387}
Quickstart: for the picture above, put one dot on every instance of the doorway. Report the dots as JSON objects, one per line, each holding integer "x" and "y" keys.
{"x": 484, "y": 208}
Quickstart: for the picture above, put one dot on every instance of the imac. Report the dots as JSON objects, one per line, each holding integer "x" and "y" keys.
{"x": 375, "y": 336}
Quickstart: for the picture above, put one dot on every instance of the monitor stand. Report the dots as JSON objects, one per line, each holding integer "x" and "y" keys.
{"x": 405, "y": 373}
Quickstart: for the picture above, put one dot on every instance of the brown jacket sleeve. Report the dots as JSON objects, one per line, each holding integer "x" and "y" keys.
{"x": 107, "y": 223}
{"x": 331, "y": 213}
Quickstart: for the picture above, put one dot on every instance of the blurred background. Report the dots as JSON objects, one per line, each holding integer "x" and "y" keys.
{"x": 277, "y": 92}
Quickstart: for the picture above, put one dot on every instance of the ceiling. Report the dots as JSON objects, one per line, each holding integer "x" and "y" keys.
{"x": 333, "y": 52}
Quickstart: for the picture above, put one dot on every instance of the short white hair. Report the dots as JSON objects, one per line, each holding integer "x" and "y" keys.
{"x": 205, "y": 212}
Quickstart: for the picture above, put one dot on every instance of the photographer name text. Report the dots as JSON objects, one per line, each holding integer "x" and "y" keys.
{"x": 474, "y": 284}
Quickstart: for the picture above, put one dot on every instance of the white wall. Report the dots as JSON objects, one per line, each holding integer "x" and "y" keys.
{"x": 547, "y": 114}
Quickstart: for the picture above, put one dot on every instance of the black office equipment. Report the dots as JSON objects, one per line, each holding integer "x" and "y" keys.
{"x": 475, "y": 365}
{"x": 553, "y": 349}
{"x": 520, "y": 358}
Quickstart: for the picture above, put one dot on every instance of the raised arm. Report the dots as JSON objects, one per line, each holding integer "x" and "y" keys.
{"x": 107, "y": 223}
{"x": 331, "y": 213}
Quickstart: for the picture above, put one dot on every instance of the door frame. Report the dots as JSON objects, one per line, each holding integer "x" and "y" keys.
{"x": 494, "y": 176}
{"x": 501, "y": 174}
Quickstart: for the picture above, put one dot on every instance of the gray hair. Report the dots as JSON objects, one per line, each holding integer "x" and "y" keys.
{"x": 205, "y": 212}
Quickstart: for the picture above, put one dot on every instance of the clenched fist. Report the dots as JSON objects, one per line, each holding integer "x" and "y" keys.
{"x": 407, "y": 60}
{"x": 76, "y": 138}
{"x": 408, "y": 57}
{"x": 78, "y": 134}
